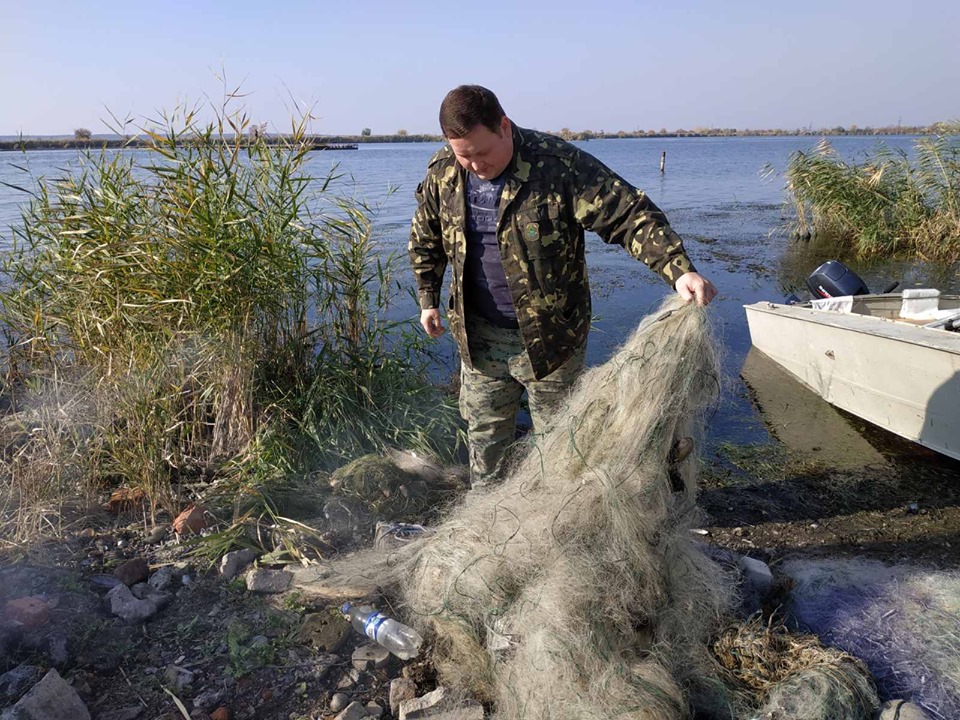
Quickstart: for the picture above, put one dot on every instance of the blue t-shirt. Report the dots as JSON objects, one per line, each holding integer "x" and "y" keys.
{"x": 485, "y": 282}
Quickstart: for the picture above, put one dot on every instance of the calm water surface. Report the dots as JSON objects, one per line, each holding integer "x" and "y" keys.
{"x": 713, "y": 192}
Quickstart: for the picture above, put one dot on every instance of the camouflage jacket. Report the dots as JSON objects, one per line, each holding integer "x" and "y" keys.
{"x": 553, "y": 192}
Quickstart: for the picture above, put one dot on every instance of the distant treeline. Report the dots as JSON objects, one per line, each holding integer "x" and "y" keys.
{"x": 73, "y": 143}
{"x": 568, "y": 134}
{"x": 347, "y": 142}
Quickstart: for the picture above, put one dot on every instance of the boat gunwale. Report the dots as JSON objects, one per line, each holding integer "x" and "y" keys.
{"x": 933, "y": 339}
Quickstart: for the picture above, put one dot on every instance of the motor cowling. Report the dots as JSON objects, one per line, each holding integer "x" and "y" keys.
{"x": 834, "y": 279}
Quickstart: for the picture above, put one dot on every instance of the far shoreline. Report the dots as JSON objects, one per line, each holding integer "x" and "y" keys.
{"x": 351, "y": 142}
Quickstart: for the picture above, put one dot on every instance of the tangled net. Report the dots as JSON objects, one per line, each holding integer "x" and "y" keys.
{"x": 572, "y": 589}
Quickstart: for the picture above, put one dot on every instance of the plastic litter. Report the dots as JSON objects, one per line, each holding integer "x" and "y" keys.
{"x": 399, "y": 639}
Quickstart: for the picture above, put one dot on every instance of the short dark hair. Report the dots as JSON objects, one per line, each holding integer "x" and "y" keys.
{"x": 466, "y": 107}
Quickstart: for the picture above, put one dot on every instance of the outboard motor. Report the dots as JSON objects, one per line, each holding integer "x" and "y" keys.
{"x": 834, "y": 279}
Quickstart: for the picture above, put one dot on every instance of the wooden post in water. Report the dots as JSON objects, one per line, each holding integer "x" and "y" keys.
{"x": 663, "y": 160}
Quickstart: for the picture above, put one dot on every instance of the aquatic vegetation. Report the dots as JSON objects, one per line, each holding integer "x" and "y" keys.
{"x": 200, "y": 315}
{"x": 890, "y": 204}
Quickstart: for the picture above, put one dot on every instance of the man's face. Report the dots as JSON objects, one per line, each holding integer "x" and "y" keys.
{"x": 484, "y": 153}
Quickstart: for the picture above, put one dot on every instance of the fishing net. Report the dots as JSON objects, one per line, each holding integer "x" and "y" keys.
{"x": 902, "y": 621}
{"x": 572, "y": 589}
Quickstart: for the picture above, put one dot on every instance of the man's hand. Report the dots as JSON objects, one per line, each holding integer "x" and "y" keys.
{"x": 692, "y": 286}
{"x": 430, "y": 320}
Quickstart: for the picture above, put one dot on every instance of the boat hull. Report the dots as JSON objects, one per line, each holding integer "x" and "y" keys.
{"x": 904, "y": 379}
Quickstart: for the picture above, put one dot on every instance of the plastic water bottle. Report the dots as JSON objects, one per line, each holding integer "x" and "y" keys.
{"x": 402, "y": 641}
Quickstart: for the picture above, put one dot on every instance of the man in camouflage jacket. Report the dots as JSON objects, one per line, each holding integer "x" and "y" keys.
{"x": 551, "y": 193}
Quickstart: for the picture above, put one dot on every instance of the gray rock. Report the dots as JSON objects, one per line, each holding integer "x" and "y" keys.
{"x": 234, "y": 563}
{"x": 353, "y": 711}
{"x": 124, "y": 605}
{"x": 261, "y": 580}
{"x": 50, "y": 699}
{"x": 757, "y": 577}
{"x": 441, "y": 704}
{"x": 177, "y": 677}
{"x": 128, "y": 713}
{"x": 370, "y": 656}
{"x": 338, "y": 702}
{"x": 16, "y": 682}
{"x": 162, "y": 579}
{"x": 350, "y": 678}
{"x": 208, "y": 700}
{"x": 57, "y": 649}
{"x": 373, "y": 710}
{"x": 140, "y": 590}
{"x": 401, "y": 689}
{"x": 158, "y": 534}
{"x": 901, "y": 710}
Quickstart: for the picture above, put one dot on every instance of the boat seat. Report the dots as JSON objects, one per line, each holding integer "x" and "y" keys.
{"x": 922, "y": 304}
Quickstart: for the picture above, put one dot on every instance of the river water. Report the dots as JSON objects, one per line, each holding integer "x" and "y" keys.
{"x": 714, "y": 192}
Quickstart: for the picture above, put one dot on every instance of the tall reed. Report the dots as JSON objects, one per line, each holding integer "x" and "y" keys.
{"x": 890, "y": 204}
{"x": 196, "y": 305}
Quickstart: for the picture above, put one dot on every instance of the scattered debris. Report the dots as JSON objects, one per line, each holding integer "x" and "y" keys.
{"x": 177, "y": 677}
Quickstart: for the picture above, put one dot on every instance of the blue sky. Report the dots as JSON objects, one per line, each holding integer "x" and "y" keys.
{"x": 386, "y": 65}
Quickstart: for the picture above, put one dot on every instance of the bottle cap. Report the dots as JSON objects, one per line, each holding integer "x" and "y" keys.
{"x": 345, "y": 608}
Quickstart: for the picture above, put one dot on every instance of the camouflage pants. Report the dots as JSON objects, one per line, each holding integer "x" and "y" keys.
{"x": 490, "y": 393}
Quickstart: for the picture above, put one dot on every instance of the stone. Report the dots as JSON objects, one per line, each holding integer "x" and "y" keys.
{"x": 262, "y": 580}
{"x": 353, "y": 711}
{"x": 124, "y": 605}
{"x": 369, "y": 656}
{"x": 234, "y": 563}
{"x": 133, "y": 572}
{"x": 32, "y": 612}
{"x": 16, "y": 682}
{"x": 327, "y": 632}
{"x": 221, "y": 713}
{"x": 315, "y": 583}
{"x": 57, "y": 649}
{"x": 50, "y": 699}
{"x": 441, "y": 704}
{"x": 373, "y": 710}
{"x": 901, "y": 710}
{"x": 158, "y": 534}
{"x": 129, "y": 713}
{"x": 350, "y": 678}
{"x": 140, "y": 590}
{"x": 401, "y": 689}
{"x": 756, "y": 575}
{"x": 177, "y": 677}
{"x": 191, "y": 520}
{"x": 207, "y": 700}
{"x": 338, "y": 702}
{"x": 162, "y": 579}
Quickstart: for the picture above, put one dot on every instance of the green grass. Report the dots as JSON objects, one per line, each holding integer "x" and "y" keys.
{"x": 201, "y": 319}
{"x": 888, "y": 205}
